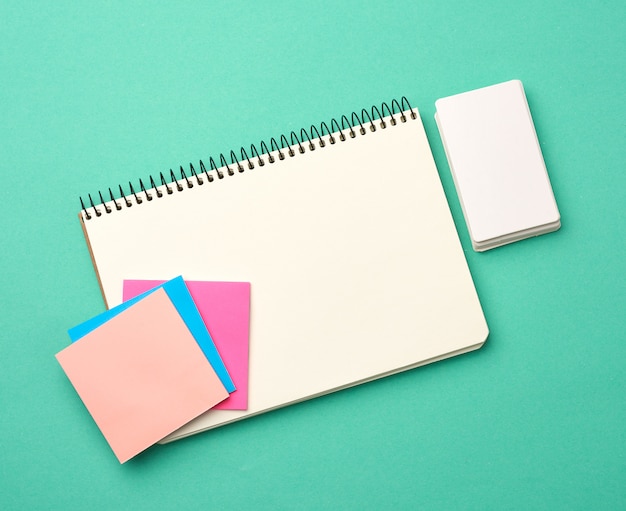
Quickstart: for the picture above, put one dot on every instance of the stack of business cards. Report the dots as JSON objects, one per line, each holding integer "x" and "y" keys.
{"x": 497, "y": 165}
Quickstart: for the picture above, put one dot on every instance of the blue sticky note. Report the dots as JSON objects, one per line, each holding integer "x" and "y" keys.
{"x": 179, "y": 295}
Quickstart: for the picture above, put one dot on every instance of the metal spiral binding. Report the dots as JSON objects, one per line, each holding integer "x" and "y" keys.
{"x": 296, "y": 142}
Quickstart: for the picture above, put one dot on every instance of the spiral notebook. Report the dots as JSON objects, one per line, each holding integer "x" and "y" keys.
{"x": 344, "y": 234}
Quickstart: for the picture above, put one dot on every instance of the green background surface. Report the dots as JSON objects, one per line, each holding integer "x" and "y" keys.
{"x": 98, "y": 94}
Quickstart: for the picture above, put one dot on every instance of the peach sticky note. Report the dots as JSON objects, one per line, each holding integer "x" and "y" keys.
{"x": 142, "y": 375}
{"x": 225, "y": 310}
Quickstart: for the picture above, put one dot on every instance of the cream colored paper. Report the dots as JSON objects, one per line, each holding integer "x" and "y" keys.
{"x": 354, "y": 261}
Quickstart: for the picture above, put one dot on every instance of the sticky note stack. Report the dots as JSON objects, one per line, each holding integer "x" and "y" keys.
{"x": 171, "y": 352}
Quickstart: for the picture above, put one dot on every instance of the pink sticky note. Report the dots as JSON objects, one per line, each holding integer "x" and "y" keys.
{"x": 225, "y": 309}
{"x": 142, "y": 375}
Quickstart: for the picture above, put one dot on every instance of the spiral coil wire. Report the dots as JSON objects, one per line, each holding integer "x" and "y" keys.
{"x": 305, "y": 140}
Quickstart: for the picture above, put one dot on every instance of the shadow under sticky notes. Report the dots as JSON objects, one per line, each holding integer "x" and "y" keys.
{"x": 142, "y": 375}
{"x": 183, "y": 302}
{"x": 225, "y": 310}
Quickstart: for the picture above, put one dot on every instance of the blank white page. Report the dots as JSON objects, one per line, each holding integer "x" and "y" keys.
{"x": 355, "y": 266}
{"x": 497, "y": 165}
